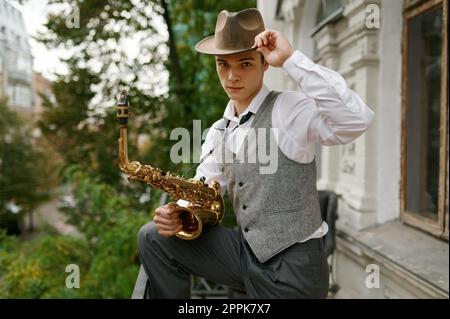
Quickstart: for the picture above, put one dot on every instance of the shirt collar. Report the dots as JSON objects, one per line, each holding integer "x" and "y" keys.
{"x": 253, "y": 107}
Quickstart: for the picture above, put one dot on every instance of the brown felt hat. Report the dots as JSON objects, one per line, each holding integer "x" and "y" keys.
{"x": 235, "y": 32}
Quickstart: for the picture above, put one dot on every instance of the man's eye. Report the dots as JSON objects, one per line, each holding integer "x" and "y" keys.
{"x": 222, "y": 64}
{"x": 246, "y": 64}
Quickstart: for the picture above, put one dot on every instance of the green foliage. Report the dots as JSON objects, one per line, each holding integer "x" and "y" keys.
{"x": 23, "y": 169}
{"x": 36, "y": 269}
{"x": 110, "y": 226}
{"x": 106, "y": 253}
{"x": 81, "y": 121}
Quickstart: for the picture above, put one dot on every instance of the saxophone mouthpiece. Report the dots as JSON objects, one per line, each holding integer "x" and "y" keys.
{"x": 122, "y": 108}
{"x": 123, "y": 98}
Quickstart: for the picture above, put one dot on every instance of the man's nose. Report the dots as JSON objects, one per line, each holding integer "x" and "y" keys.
{"x": 233, "y": 76}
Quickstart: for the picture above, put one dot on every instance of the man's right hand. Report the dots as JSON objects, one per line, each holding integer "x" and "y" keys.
{"x": 167, "y": 220}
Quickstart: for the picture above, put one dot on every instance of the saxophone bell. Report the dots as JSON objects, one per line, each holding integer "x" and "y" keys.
{"x": 192, "y": 224}
{"x": 193, "y": 218}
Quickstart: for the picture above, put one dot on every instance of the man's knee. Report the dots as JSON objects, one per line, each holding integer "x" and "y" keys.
{"x": 147, "y": 234}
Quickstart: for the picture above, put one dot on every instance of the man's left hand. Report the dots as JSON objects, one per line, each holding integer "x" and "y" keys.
{"x": 274, "y": 46}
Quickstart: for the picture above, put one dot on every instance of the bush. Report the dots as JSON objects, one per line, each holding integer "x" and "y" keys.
{"x": 36, "y": 269}
{"x": 106, "y": 254}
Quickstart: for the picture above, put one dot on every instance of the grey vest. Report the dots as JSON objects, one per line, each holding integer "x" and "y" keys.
{"x": 277, "y": 209}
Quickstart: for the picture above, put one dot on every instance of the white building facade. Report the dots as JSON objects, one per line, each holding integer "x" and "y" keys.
{"x": 15, "y": 59}
{"x": 392, "y": 182}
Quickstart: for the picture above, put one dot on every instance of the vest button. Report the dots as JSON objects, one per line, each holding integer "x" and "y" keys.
{"x": 246, "y": 229}
{"x": 241, "y": 184}
{"x": 244, "y": 207}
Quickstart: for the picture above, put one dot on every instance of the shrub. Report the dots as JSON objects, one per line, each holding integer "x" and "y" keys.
{"x": 106, "y": 253}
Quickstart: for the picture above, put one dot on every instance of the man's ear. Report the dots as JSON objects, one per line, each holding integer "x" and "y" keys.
{"x": 264, "y": 63}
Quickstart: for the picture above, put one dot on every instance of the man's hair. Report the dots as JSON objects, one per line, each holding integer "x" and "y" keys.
{"x": 262, "y": 58}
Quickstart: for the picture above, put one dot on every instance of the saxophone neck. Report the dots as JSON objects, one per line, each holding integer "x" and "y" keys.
{"x": 124, "y": 164}
{"x": 123, "y": 115}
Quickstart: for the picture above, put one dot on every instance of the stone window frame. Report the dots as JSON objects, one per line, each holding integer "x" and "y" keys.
{"x": 439, "y": 228}
{"x": 329, "y": 19}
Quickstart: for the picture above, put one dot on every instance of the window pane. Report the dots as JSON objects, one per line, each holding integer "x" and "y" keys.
{"x": 423, "y": 112}
{"x": 327, "y": 7}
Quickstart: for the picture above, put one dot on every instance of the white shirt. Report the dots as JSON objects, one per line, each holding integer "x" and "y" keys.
{"x": 323, "y": 111}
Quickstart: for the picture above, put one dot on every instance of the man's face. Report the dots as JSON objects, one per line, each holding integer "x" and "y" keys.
{"x": 241, "y": 74}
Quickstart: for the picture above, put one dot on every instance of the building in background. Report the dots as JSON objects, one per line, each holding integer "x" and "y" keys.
{"x": 41, "y": 86}
{"x": 16, "y": 77}
{"x": 392, "y": 182}
{"x": 23, "y": 88}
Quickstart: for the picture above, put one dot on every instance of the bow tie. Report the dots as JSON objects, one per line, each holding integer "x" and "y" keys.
{"x": 245, "y": 118}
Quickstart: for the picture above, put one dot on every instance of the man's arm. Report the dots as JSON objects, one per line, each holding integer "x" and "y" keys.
{"x": 330, "y": 114}
{"x": 339, "y": 115}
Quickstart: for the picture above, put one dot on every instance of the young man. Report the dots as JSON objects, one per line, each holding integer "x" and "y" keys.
{"x": 277, "y": 252}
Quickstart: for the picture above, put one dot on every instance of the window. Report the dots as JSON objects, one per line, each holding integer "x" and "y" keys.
{"x": 22, "y": 97}
{"x": 23, "y": 64}
{"x": 329, "y": 12}
{"x": 424, "y": 191}
{"x": 328, "y": 8}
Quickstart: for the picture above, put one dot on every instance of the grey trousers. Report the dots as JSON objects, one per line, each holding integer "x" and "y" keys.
{"x": 222, "y": 255}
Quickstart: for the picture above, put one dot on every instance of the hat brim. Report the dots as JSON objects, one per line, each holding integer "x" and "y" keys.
{"x": 207, "y": 46}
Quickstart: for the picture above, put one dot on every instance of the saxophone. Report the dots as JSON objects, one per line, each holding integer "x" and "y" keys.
{"x": 206, "y": 203}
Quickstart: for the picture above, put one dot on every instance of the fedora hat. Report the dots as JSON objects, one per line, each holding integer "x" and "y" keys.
{"x": 235, "y": 32}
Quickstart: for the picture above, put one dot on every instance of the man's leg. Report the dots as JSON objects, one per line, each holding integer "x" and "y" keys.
{"x": 300, "y": 271}
{"x": 168, "y": 261}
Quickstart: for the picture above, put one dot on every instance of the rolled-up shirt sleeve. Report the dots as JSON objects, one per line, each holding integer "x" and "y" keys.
{"x": 329, "y": 113}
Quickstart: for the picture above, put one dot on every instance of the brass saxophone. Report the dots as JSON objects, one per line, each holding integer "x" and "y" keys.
{"x": 206, "y": 203}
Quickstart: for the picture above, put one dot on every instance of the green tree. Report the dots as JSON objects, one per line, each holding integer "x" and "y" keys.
{"x": 23, "y": 170}
{"x": 116, "y": 46}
